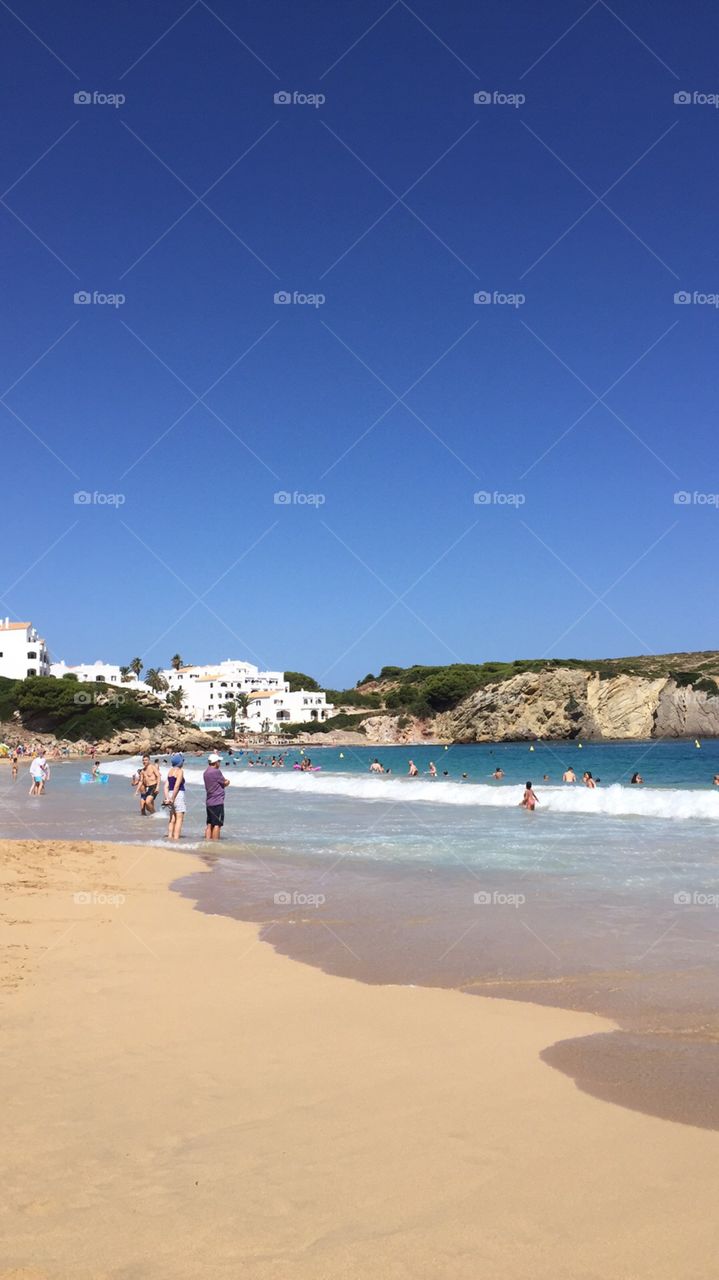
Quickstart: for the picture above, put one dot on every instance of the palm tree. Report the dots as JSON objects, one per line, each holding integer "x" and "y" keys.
{"x": 136, "y": 666}
{"x": 156, "y": 680}
{"x": 176, "y": 661}
{"x": 174, "y": 699}
{"x": 124, "y": 674}
{"x": 230, "y": 709}
{"x": 243, "y": 702}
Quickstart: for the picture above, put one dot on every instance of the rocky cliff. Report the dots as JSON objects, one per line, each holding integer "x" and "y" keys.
{"x": 572, "y": 703}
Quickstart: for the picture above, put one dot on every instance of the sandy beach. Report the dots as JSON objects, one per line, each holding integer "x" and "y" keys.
{"x": 181, "y": 1101}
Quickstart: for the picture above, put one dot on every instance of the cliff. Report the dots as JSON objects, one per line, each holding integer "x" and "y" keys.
{"x": 576, "y": 703}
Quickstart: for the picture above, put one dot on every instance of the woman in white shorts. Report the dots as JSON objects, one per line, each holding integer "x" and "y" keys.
{"x": 175, "y": 796}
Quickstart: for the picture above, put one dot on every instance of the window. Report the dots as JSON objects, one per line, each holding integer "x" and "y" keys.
{"x": 31, "y": 671}
{"x": 31, "y": 653}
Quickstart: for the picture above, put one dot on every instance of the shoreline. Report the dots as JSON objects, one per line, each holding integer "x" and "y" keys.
{"x": 215, "y": 1108}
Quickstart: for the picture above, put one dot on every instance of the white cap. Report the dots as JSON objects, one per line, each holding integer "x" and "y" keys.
{"x": 213, "y": 758}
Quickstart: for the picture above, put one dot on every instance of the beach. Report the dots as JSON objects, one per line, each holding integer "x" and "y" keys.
{"x": 181, "y": 1100}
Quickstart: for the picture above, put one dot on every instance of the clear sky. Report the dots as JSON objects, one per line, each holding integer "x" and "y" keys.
{"x": 397, "y": 398}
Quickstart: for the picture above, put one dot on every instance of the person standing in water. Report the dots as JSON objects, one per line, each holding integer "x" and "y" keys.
{"x": 432, "y": 769}
{"x": 413, "y": 770}
{"x": 588, "y": 780}
{"x": 175, "y": 796}
{"x": 215, "y": 784}
{"x": 149, "y": 786}
{"x": 529, "y": 799}
{"x": 569, "y": 775}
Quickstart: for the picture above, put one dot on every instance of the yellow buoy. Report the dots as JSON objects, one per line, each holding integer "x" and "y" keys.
{"x": 579, "y": 745}
{"x": 531, "y": 748}
{"x": 342, "y": 755}
{"x": 446, "y": 748}
{"x": 697, "y": 743}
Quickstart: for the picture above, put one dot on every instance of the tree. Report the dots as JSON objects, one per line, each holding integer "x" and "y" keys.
{"x": 298, "y": 680}
{"x": 230, "y": 709}
{"x": 175, "y": 698}
{"x": 136, "y": 666}
{"x": 243, "y": 702}
{"x": 156, "y": 680}
{"x": 176, "y": 662}
{"x": 124, "y": 674}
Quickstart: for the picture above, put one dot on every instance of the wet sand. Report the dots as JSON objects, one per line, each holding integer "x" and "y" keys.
{"x": 181, "y": 1101}
{"x": 654, "y": 975}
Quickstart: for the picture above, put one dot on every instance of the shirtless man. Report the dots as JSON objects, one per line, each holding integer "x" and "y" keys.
{"x": 498, "y": 774}
{"x": 413, "y": 770}
{"x": 569, "y": 775}
{"x": 148, "y": 785}
{"x": 376, "y": 767}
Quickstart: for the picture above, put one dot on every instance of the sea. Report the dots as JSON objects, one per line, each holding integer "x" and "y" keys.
{"x": 602, "y": 900}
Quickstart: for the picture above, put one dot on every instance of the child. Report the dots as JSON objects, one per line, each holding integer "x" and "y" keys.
{"x": 529, "y": 800}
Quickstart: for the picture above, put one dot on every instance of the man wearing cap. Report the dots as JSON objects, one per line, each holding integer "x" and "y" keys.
{"x": 215, "y": 783}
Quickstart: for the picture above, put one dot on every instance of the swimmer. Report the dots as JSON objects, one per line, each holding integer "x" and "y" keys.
{"x": 432, "y": 769}
{"x": 637, "y": 777}
{"x": 588, "y": 780}
{"x": 498, "y": 773}
{"x": 569, "y": 775}
{"x": 413, "y": 770}
{"x": 376, "y": 767}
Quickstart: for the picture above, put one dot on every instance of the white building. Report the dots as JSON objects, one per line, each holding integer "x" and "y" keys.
{"x": 270, "y": 704}
{"x": 98, "y": 673}
{"x": 22, "y": 651}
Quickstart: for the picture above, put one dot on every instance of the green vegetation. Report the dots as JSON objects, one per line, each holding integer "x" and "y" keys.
{"x": 70, "y": 709}
{"x": 324, "y": 726}
{"x": 354, "y": 698}
{"x": 425, "y": 690}
{"x": 298, "y": 680}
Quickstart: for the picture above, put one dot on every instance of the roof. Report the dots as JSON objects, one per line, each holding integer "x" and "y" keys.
{"x": 14, "y": 626}
{"x": 264, "y": 693}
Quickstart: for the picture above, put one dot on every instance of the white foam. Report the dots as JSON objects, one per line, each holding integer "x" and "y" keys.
{"x": 615, "y": 800}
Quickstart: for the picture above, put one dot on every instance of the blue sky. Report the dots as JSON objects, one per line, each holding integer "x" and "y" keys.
{"x": 397, "y": 398}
